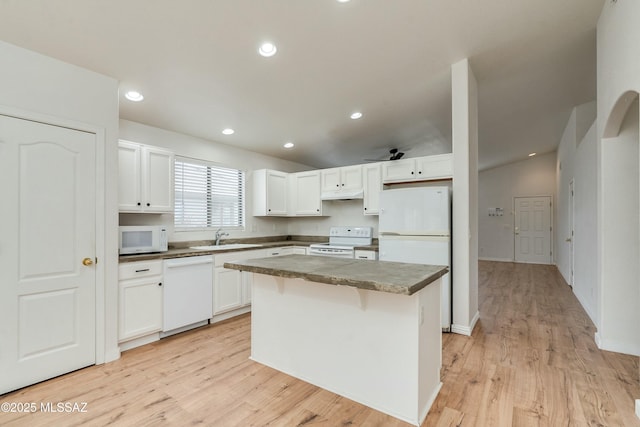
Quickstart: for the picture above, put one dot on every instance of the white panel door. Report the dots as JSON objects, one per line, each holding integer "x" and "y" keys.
{"x": 414, "y": 211}
{"x": 533, "y": 230}
{"x": 47, "y": 227}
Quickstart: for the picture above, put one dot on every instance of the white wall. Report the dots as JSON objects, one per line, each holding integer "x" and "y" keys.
{"x": 618, "y": 75}
{"x": 464, "y": 100}
{"x": 496, "y": 189}
{"x": 223, "y": 154}
{"x": 340, "y": 212}
{"x": 39, "y": 87}
{"x": 577, "y": 161}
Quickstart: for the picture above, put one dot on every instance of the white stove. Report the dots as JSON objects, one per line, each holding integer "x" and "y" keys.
{"x": 342, "y": 241}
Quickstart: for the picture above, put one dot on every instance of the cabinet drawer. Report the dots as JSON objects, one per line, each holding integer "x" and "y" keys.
{"x": 132, "y": 270}
{"x": 361, "y": 254}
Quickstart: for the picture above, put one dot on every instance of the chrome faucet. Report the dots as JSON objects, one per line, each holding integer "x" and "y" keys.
{"x": 219, "y": 234}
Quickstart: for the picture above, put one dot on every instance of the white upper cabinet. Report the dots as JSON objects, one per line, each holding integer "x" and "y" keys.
{"x": 342, "y": 182}
{"x": 145, "y": 178}
{"x": 418, "y": 169}
{"x": 269, "y": 193}
{"x": 372, "y": 177}
{"x": 305, "y": 194}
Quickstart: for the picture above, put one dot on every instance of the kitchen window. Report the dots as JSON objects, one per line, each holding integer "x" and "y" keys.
{"x": 207, "y": 195}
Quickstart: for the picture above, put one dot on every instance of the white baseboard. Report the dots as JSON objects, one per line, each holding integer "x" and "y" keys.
{"x": 229, "y": 314}
{"x": 464, "y": 329}
{"x": 585, "y": 306}
{"x": 137, "y": 342}
{"x": 617, "y": 346}
{"x": 495, "y": 259}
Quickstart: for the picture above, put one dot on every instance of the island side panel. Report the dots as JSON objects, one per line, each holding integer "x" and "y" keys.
{"x": 364, "y": 345}
{"x": 430, "y": 347}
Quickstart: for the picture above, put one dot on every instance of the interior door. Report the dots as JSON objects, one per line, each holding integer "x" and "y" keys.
{"x": 532, "y": 231}
{"x": 569, "y": 238}
{"x": 47, "y": 251}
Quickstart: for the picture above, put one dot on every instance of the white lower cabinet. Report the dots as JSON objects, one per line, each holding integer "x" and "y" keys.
{"x": 232, "y": 288}
{"x": 140, "y": 305}
{"x": 227, "y": 288}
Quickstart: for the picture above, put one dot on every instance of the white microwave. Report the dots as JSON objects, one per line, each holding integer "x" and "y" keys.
{"x": 142, "y": 239}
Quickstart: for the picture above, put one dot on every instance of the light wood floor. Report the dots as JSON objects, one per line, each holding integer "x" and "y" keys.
{"x": 530, "y": 362}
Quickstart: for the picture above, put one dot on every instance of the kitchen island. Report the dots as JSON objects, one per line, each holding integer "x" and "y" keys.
{"x": 366, "y": 330}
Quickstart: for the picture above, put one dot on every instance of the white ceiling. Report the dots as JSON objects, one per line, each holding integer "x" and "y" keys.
{"x": 196, "y": 63}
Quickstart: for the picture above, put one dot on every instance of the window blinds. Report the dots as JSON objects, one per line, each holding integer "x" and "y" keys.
{"x": 207, "y": 195}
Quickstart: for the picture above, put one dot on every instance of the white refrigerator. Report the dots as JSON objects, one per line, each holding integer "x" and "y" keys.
{"x": 415, "y": 227}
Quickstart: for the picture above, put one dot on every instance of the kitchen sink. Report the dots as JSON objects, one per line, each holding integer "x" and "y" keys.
{"x": 225, "y": 247}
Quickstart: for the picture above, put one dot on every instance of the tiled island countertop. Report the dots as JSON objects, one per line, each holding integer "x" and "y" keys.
{"x": 392, "y": 277}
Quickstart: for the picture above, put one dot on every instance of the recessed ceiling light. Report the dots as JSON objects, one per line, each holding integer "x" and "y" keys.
{"x": 289, "y": 145}
{"x": 343, "y": 1}
{"x": 356, "y": 115}
{"x": 267, "y": 49}
{"x": 134, "y": 96}
{"x": 228, "y": 131}
{"x": 532, "y": 154}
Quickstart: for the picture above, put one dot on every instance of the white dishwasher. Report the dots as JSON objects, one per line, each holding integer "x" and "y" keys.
{"x": 188, "y": 292}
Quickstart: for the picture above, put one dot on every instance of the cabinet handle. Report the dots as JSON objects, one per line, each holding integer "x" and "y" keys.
{"x": 140, "y": 271}
{"x": 269, "y": 210}
{"x": 317, "y": 210}
{"x": 337, "y": 185}
{"x": 420, "y": 173}
{"x": 411, "y": 172}
{"x": 365, "y": 209}
{"x": 139, "y": 204}
{"x": 343, "y": 185}
{"x": 160, "y": 284}
{"x": 148, "y": 204}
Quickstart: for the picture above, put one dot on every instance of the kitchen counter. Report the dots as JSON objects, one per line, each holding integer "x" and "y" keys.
{"x": 391, "y": 277}
{"x": 187, "y": 252}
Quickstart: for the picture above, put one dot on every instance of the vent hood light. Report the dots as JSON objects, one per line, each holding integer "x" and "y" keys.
{"x": 134, "y": 96}
{"x": 356, "y": 115}
{"x": 342, "y": 195}
{"x": 289, "y": 145}
{"x": 532, "y": 154}
{"x": 228, "y": 131}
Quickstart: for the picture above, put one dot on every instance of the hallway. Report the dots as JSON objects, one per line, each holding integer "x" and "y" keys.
{"x": 532, "y": 359}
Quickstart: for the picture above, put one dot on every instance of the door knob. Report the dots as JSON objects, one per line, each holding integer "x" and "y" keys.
{"x": 87, "y": 262}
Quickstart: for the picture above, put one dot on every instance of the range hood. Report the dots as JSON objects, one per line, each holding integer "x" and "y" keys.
{"x": 342, "y": 194}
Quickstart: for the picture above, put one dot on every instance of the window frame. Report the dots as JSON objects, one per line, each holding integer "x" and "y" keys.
{"x": 240, "y": 218}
